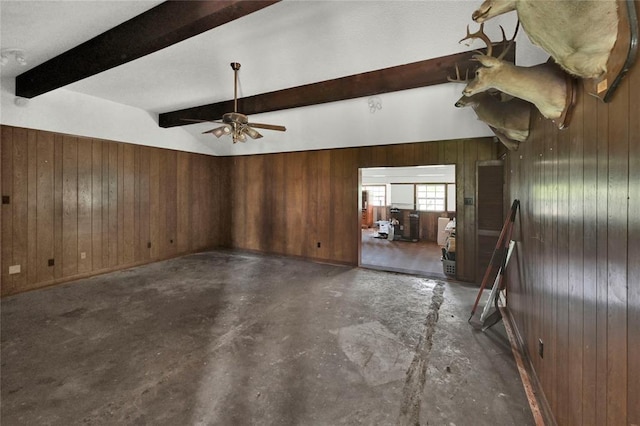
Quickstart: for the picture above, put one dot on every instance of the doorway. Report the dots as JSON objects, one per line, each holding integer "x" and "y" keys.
{"x": 405, "y": 213}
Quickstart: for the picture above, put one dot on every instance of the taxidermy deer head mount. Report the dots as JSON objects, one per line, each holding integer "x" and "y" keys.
{"x": 544, "y": 85}
{"x": 509, "y": 143}
{"x": 510, "y": 117}
{"x": 579, "y": 35}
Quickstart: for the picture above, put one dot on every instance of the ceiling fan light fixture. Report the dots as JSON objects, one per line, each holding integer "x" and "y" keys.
{"x": 241, "y": 137}
{"x": 220, "y": 131}
{"x": 253, "y": 133}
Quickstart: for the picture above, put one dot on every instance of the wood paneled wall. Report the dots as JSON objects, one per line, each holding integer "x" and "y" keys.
{"x": 287, "y": 203}
{"x": 575, "y": 281}
{"x": 94, "y": 206}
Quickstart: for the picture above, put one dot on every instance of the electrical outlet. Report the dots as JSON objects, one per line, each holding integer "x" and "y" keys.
{"x": 83, "y": 255}
{"x": 14, "y": 269}
{"x": 318, "y": 244}
{"x": 540, "y": 348}
{"x": 51, "y": 262}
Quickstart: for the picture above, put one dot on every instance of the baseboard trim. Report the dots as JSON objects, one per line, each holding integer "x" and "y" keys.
{"x": 540, "y": 409}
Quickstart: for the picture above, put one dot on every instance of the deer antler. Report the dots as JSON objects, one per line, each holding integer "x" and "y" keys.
{"x": 479, "y": 35}
{"x": 458, "y": 79}
{"x": 506, "y": 44}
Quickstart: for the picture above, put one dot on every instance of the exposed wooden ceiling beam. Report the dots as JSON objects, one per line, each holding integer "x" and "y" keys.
{"x": 401, "y": 77}
{"x": 166, "y": 24}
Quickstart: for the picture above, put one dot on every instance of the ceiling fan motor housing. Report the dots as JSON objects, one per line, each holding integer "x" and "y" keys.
{"x": 235, "y": 117}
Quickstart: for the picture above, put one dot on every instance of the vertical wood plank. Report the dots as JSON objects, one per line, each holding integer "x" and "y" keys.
{"x": 120, "y": 198}
{"x": 338, "y": 199}
{"x": 128, "y": 208}
{"x": 58, "y": 206}
{"x": 45, "y": 206}
{"x": 161, "y": 211}
{"x": 257, "y": 236}
{"x": 223, "y": 197}
{"x": 323, "y": 212}
{"x": 96, "y": 205}
{"x": 197, "y": 204}
{"x": 561, "y": 219}
{"x": 20, "y": 207}
{"x": 633, "y": 290}
{"x": 268, "y": 221}
{"x": 576, "y": 283}
{"x": 589, "y": 364}
{"x": 85, "y": 205}
{"x": 145, "y": 212}
{"x": 602, "y": 266}
{"x": 7, "y": 213}
{"x": 295, "y": 218}
{"x": 154, "y": 203}
{"x": 617, "y": 254}
{"x": 544, "y": 195}
{"x": 69, "y": 206}
{"x": 279, "y": 197}
{"x": 238, "y": 204}
{"x": 310, "y": 205}
{"x": 106, "y": 235}
{"x": 466, "y": 219}
{"x": 171, "y": 203}
{"x": 183, "y": 196}
{"x": 32, "y": 210}
{"x": 113, "y": 204}
{"x": 136, "y": 197}
{"x": 211, "y": 182}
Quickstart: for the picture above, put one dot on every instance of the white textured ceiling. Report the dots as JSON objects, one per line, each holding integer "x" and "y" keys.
{"x": 444, "y": 173}
{"x": 284, "y": 45}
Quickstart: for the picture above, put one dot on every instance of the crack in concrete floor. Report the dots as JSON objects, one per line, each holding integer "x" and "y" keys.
{"x": 417, "y": 372}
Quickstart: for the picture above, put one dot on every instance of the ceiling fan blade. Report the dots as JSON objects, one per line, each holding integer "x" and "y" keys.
{"x": 253, "y": 133}
{"x": 219, "y": 131}
{"x": 194, "y": 120}
{"x": 268, "y": 126}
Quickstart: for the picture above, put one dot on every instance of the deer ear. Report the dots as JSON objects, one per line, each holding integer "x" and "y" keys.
{"x": 487, "y": 61}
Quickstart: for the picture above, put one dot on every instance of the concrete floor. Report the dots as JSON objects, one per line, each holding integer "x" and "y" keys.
{"x": 226, "y": 338}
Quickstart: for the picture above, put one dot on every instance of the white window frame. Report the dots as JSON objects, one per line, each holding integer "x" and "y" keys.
{"x": 431, "y": 197}
{"x": 375, "y": 198}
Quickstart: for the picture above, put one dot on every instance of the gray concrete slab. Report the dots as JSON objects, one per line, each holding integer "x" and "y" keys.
{"x": 227, "y": 338}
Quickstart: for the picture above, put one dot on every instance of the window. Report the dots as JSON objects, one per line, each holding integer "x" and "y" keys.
{"x": 377, "y": 194}
{"x": 431, "y": 197}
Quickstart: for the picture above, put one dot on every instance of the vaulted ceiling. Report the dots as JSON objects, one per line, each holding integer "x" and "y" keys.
{"x": 329, "y": 57}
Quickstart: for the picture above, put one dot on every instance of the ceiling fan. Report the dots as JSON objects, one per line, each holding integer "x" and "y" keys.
{"x": 236, "y": 124}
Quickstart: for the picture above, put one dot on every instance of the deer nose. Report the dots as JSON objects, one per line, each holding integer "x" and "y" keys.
{"x": 479, "y": 15}
{"x": 457, "y": 104}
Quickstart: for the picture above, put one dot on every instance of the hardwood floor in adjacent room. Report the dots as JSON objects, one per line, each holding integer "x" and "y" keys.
{"x": 419, "y": 258}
